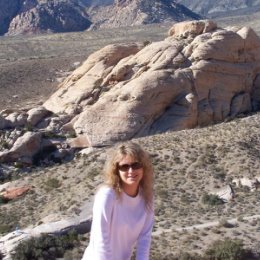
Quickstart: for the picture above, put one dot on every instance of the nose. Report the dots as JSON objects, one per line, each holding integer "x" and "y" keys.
{"x": 130, "y": 170}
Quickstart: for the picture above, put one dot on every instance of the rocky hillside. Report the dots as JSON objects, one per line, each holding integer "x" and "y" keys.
{"x": 212, "y": 8}
{"x": 37, "y": 16}
{"x": 199, "y": 75}
{"x": 188, "y": 164}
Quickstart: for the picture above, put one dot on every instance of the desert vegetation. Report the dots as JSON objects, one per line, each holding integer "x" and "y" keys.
{"x": 188, "y": 164}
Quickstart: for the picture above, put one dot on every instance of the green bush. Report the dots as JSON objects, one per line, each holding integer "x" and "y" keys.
{"x": 52, "y": 183}
{"x": 226, "y": 250}
{"x": 45, "y": 247}
{"x": 211, "y": 199}
{"x": 5, "y": 228}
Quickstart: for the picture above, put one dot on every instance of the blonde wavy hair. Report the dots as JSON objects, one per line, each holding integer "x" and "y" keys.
{"x": 111, "y": 172}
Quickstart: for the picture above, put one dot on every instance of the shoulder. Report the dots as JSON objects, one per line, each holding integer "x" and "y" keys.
{"x": 105, "y": 193}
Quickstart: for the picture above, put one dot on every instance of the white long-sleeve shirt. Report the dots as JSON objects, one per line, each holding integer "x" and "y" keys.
{"x": 118, "y": 225}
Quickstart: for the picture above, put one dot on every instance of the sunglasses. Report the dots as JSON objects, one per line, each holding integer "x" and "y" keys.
{"x": 133, "y": 166}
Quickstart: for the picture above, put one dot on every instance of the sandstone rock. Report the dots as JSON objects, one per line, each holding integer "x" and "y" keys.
{"x": 126, "y": 91}
{"x": 4, "y": 186}
{"x": 193, "y": 28}
{"x": 35, "y": 115}
{"x": 225, "y": 194}
{"x": 14, "y": 119}
{"x": 252, "y": 184}
{"x": 79, "y": 142}
{"x": 25, "y": 146}
{"x": 56, "y": 122}
{"x": 13, "y": 193}
{"x": 84, "y": 81}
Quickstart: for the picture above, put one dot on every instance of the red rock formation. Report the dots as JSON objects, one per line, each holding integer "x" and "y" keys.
{"x": 13, "y": 193}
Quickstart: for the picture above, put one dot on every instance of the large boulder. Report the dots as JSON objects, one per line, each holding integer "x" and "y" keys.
{"x": 35, "y": 115}
{"x": 199, "y": 75}
{"x": 23, "y": 149}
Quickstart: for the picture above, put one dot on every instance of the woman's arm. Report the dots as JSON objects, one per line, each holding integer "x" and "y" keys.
{"x": 101, "y": 223}
{"x": 144, "y": 240}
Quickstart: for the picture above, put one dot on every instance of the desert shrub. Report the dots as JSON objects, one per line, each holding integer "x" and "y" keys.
{"x": 5, "y": 228}
{"x": 45, "y": 247}
{"x": 211, "y": 199}
{"x": 187, "y": 256}
{"x": 145, "y": 43}
{"x": 226, "y": 250}
{"x": 52, "y": 183}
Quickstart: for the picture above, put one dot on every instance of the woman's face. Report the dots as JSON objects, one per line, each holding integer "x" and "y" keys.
{"x": 131, "y": 173}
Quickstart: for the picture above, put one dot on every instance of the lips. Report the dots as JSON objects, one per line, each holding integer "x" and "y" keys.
{"x": 132, "y": 177}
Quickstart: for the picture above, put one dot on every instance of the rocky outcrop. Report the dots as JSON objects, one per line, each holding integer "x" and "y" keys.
{"x": 197, "y": 76}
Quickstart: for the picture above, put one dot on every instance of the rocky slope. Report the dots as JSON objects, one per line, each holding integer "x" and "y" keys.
{"x": 212, "y": 8}
{"x": 136, "y": 12}
{"x": 52, "y": 16}
{"x": 188, "y": 164}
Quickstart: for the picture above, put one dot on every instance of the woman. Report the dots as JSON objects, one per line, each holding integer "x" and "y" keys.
{"x": 123, "y": 213}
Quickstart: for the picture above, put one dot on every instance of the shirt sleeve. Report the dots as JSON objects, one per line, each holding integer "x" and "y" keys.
{"x": 144, "y": 239}
{"x": 101, "y": 223}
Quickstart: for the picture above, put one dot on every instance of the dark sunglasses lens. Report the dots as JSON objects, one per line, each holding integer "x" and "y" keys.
{"x": 136, "y": 166}
{"x": 126, "y": 167}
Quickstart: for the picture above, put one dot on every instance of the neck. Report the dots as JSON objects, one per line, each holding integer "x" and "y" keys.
{"x": 130, "y": 191}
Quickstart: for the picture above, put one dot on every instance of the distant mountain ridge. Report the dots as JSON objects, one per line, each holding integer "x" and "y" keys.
{"x": 212, "y": 8}
{"x": 38, "y": 16}
{"x": 137, "y": 12}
